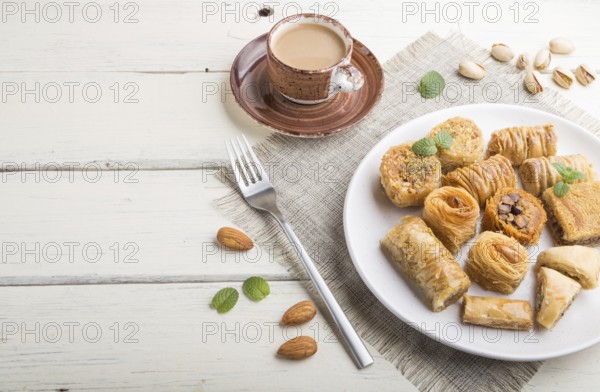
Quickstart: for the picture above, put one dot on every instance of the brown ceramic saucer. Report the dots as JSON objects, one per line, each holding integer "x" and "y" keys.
{"x": 253, "y": 92}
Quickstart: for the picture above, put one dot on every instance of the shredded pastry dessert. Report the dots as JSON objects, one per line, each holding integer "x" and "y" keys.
{"x": 452, "y": 215}
{"x": 497, "y": 262}
{"x": 516, "y": 213}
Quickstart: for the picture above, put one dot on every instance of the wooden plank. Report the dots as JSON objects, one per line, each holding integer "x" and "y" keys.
{"x": 167, "y": 338}
{"x": 187, "y": 35}
{"x": 178, "y": 121}
{"x": 159, "y": 229}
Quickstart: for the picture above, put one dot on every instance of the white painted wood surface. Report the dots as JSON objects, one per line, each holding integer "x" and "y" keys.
{"x": 165, "y": 105}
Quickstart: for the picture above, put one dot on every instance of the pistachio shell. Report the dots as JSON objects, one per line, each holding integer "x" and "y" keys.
{"x": 585, "y": 74}
{"x": 532, "y": 82}
{"x": 542, "y": 59}
{"x": 524, "y": 61}
{"x": 563, "y": 77}
{"x": 502, "y": 52}
{"x": 471, "y": 70}
{"x": 561, "y": 45}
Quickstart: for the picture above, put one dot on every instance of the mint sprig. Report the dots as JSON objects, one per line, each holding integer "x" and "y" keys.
{"x": 569, "y": 175}
{"x": 432, "y": 84}
{"x": 429, "y": 145}
{"x": 225, "y": 299}
{"x": 256, "y": 288}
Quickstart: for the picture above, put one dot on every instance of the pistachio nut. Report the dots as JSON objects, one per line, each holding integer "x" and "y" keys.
{"x": 585, "y": 74}
{"x": 542, "y": 59}
{"x": 561, "y": 45}
{"x": 524, "y": 61}
{"x": 502, "y": 52}
{"x": 563, "y": 77}
{"x": 471, "y": 70}
{"x": 532, "y": 82}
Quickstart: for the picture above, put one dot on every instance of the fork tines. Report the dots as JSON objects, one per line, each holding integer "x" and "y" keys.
{"x": 244, "y": 162}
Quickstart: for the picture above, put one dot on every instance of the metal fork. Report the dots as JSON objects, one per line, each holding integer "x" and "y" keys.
{"x": 259, "y": 192}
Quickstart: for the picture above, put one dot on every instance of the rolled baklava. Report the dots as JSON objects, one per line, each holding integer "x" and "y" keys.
{"x": 539, "y": 174}
{"x": 483, "y": 179}
{"x": 498, "y": 312}
{"x": 520, "y": 143}
{"x": 426, "y": 262}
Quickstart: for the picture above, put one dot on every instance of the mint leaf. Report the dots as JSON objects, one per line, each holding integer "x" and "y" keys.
{"x": 225, "y": 299}
{"x": 256, "y": 288}
{"x": 573, "y": 175}
{"x": 560, "y": 168}
{"x": 432, "y": 84}
{"x": 424, "y": 147}
{"x": 561, "y": 189}
{"x": 443, "y": 139}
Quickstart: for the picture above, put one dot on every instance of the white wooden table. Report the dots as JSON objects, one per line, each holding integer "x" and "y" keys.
{"x": 108, "y": 274}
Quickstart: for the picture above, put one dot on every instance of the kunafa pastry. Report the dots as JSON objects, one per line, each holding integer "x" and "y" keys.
{"x": 516, "y": 213}
{"x": 498, "y": 312}
{"x": 426, "y": 262}
{"x": 579, "y": 263}
{"x": 575, "y": 217}
{"x": 497, "y": 262}
{"x": 408, "y": 178}
{"x": 521, "y": 143}
{"x": 467, "y": 145}
{"x": 555, "y": 294}
{"x": 452, "y": 215}
{"x": 539, "y": 174}
{"x": 483, "y": 179}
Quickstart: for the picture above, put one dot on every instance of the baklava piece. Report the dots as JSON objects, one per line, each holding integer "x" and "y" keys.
{"x": 575, "y": 217}
{"x": 426, "y": 262}
{"x": 517, "y": 214}
{"x": 483, "y": 179}
{"x": 579, "y": 263}
{"x": 539, "y": 174}
{"x": 520, "y": 143}
{"x": 498, "y": 312}
{"x": 452, "y": 214}
{"x": 408, "y": 178}
{"x": 467, "y": 143}
{"x": 497, "y": 262}
{"x": 555, "y": 293}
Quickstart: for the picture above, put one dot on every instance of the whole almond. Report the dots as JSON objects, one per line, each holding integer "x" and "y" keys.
{"x": 299, "y": 314}
{"x": 298, "y": 348}
{"x": 234, "y": 239}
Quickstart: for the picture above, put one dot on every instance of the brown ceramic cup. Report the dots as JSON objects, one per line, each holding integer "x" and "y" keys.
{"x": 312, "y": 86}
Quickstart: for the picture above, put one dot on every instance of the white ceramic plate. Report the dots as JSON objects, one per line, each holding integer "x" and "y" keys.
{"x": 368, "y": 215}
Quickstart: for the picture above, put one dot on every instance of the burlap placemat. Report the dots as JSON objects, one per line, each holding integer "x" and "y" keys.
{"x": 311, "y": 178}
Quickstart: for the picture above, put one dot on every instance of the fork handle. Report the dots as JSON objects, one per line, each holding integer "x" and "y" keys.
{"x": 353, "y": 342}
